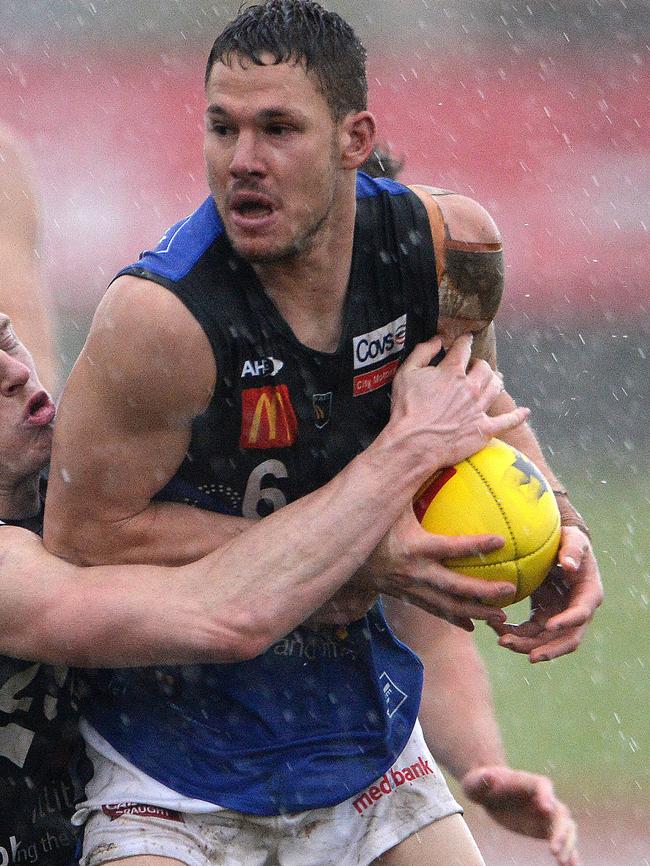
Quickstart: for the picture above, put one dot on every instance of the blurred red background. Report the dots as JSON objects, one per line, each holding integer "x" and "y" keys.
{"x": 553, "y": 147}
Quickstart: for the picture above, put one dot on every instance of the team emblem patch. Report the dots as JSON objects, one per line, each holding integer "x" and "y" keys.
{"x": 322, "y": 404}
{"x": 268, "y": 419}
{"x": 393, "y": 695}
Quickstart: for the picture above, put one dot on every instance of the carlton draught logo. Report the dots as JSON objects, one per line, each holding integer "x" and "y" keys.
{"x": 268, "y": 419}
{"x": 142, "y": 810}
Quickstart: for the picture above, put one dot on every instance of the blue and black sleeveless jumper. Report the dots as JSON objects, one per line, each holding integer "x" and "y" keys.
{"x": 318, "y": 716}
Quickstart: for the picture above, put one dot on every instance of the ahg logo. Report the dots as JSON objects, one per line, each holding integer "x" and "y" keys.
{"x": 261, "y": 367}
{"x": 379, "y": 344}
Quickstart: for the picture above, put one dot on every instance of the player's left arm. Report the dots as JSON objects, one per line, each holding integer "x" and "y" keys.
{"x": 456, "y": 686}
{"x": 565, "y": 604}
{"x": 470, "y": 276}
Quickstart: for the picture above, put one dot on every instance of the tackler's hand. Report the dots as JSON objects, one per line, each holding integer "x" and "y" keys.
{"x": 445, "y": 407}
{"x": 562, "y": 607}
{"x": 525, "y": 803}
{"x": 407, "y": 564}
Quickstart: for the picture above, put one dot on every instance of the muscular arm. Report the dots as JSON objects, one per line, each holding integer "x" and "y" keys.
{"x": 123, "y": 428}
{"x": 227, "y": 606}
{"x": 21, "y": 282}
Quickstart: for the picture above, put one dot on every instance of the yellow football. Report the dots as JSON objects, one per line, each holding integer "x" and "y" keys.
{"x": 497, "y": 491}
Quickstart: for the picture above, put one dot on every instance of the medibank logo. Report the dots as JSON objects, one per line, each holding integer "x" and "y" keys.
{"x": 391, "y": 782}
{"x": 268, "y": 419}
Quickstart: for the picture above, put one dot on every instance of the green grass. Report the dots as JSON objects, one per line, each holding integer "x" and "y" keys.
{"x": 585, "y": 718}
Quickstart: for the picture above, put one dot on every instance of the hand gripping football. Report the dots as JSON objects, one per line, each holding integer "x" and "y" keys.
{"x": 497, "y": 491}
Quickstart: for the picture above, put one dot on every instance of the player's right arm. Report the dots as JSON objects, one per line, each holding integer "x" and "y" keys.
{"x": 123, "y": 428}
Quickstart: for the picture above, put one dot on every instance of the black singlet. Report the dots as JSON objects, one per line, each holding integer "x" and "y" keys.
{"x": 37, "y": 735}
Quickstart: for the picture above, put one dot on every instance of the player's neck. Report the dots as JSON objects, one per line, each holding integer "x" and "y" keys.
{"x": 19, "y": 499}
{"x": 310, "y": 289}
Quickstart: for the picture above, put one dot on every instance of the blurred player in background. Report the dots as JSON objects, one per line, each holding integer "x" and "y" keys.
{"x": 233, "y": 369}
{"x": 473, "y": 752}
{"x": 22, "y": 296}
{"x": 58, "y": 613}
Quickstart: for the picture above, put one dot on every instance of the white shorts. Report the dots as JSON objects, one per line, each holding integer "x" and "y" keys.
{"x": 411, "y": 795}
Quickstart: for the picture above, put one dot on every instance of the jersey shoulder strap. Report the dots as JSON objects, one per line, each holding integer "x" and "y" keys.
{"x": 436, "y": 223}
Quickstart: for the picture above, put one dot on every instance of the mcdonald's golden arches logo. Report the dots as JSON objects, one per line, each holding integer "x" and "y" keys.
{"x": 267, "y": 418}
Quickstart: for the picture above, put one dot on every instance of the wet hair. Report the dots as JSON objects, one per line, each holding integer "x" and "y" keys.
{"x": 300, "y": 32}
{"x": 382, "y": 163}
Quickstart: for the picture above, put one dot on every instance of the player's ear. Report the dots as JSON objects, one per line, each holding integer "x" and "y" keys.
{"x": 357, "y": 137}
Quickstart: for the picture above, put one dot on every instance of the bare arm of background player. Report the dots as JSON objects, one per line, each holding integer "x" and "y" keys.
{"x": 21, "y": 286}
{"x": 470, "y": 278}
{"x": 469, "y": 264}
{"x": 456, "y": 687}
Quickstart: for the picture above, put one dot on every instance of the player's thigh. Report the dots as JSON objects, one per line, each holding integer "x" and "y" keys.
{"x": 446, "y": 842}
{"x": 145, "y": 860}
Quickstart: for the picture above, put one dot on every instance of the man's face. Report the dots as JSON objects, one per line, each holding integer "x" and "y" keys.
{"x": 26, "y": 411}
{"x": 271, "y": 152}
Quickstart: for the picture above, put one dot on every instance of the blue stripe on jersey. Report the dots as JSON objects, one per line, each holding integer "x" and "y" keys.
{"x": 368, "y": 187}
{"x": 182, "y": 245}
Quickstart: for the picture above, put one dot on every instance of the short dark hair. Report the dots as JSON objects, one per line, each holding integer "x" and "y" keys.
{"x": 300, "y": 31}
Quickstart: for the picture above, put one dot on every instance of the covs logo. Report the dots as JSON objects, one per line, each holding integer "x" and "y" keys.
{"x": 261, "y": 367}
{"x": 379, "y": 344}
